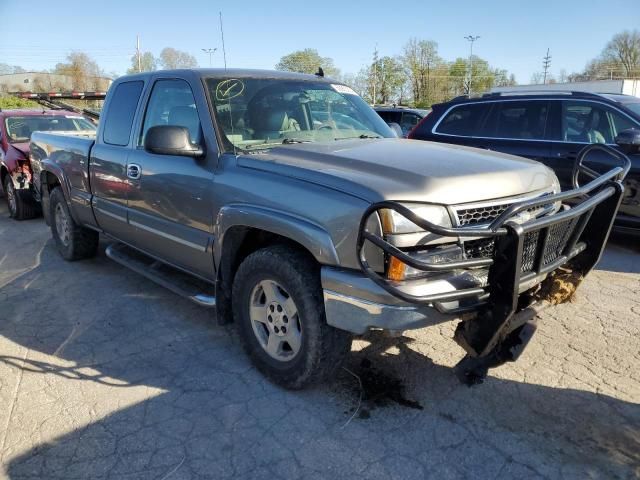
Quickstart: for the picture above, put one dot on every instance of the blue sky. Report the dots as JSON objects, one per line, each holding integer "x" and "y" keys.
{"x": 514, "y": 35}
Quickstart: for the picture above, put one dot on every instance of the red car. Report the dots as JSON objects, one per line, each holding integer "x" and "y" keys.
{"x": 16, "y": 127}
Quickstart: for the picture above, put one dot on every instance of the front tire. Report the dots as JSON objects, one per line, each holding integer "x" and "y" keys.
{"x": 20, "y": 208}
{"x": 73, "y": 241}
{"x": 279, "y": 313}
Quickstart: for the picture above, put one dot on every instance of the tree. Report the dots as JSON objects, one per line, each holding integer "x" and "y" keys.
{"x": 84, "y": 72}
{"x": 170, "y": 58}
{"x": 307, "y": 61}
{"x": 624, "y": 49}
{"x": 536, "y": 78}
{"x": 148, "y": 63}
{"x": 385, "y": 77}
{"x": 420, "y": 59}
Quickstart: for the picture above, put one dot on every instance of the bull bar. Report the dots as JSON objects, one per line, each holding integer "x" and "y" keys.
{"x": 574, "y": 236}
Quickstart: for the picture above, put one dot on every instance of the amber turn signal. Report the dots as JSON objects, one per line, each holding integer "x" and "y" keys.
{"x": 396, "y": 269}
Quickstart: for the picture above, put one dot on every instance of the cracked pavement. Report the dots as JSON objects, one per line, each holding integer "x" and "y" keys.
{"x": 103, "y": 374}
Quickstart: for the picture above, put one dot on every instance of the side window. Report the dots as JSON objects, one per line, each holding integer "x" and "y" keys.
{"x": 520, "y": 120}
{"x": 621, "y": 122}
{"x": 409, "y": 120}
{"x": 389, "y": 117}
{"x": 172, "y": 103}
{"x": 589, "y": 122}
{"x": 122, "y": 108}
{"x": 465, "y": 120}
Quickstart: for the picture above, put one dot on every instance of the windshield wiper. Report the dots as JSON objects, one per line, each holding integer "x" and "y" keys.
{"x": 364, "y": 135}
{"x": 289, "y": 141}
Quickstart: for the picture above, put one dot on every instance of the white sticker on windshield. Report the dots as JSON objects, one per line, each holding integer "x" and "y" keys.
{"x": 73, "y": 116}
{"x": 343, "y": 89}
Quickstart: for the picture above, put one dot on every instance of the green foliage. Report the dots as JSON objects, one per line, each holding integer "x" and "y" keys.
{"x": 9, "y": 102}
{"x": 307, "y": 61}
{"x": 170, "y": 58}
{"x": 148, "y": 63}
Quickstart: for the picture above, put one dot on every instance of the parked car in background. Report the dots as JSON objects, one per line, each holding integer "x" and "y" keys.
{"x": 281, "y": 200}
{"x": 16, "y": 127}
{"x": 550, "y": 127}
{"x": 407, "y": 118}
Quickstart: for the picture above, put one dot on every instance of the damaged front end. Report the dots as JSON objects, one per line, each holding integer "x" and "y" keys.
{"x": 531, "y": 264}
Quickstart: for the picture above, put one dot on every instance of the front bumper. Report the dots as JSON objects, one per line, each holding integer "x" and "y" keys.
{"x": 523, "y": 255}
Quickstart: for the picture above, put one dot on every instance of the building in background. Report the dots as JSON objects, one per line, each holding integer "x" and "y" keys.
{"x": 626, "y": 87}
{"x": 51, "y": 82}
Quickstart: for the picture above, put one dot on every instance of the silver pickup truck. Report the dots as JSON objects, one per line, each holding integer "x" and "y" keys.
{"x": 285, "y": 202}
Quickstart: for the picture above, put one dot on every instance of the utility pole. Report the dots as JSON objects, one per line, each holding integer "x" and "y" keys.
{"x": 210, "y": 51}
{"x": 546, "y": 63}
{"x": 471, "y": 39}
{"x": 375, "y": 73}
{"x": 138, "y": 53}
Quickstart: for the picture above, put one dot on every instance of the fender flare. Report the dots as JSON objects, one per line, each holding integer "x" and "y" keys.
{"x": 54, "y": 169}
{"x": 310, "y": 235}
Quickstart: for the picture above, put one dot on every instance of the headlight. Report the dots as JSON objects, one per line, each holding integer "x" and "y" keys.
{"x": 393, "y": 222}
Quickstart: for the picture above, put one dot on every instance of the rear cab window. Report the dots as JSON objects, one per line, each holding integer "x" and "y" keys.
{"x": 121, "y": 111}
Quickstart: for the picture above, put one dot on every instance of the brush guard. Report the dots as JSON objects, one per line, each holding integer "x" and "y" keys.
{"x": 573, "y": 237}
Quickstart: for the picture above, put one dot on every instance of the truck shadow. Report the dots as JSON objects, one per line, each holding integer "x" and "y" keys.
{"x": 152, "y": 387}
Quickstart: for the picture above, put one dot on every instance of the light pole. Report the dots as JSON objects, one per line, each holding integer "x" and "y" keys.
{"x": 471, "y": 39}
{"x": 210, "y": 51}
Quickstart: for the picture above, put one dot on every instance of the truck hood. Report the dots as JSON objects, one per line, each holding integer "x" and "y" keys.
{"x": 406, "y": 170}
{"x": 22, "y": 148}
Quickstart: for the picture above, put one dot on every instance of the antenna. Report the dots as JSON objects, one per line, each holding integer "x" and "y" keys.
{"x": 224, "y": 51}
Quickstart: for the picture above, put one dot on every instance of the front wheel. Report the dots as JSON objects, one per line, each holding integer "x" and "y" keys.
{"x": 279, "y": 313}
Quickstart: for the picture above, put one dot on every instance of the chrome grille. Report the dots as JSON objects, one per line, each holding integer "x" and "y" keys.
{"x": 482, "y": 215}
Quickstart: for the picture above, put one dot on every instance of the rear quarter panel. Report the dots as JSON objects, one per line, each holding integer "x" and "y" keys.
{"x": 66, "y": 157}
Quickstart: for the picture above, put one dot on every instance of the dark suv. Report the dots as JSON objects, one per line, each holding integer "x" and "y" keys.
{"x": 406, "y": 118}
{"x": 549, "y": 127}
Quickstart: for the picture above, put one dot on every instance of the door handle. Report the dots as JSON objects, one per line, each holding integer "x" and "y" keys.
{"x": 134, "y": 171}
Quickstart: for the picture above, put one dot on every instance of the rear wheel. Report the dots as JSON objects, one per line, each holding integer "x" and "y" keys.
{"x": 279, "y": 313}
{"x": 73, "y": 241}
{"x": 21, "y": 204}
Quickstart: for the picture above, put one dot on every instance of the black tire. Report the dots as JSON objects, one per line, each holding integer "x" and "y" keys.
{"x": 21, "y": 204}
{"x": 74, "y": 242}
{"x": 322, "y": 347}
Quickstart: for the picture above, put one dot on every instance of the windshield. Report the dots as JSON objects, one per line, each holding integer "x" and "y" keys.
{"x": 19, "y": 129}
{"x": 256, "y": 114}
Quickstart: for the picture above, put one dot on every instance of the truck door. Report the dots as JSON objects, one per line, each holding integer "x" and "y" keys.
{"x": 109, "y": 182}
{"x": 170, "y": 203}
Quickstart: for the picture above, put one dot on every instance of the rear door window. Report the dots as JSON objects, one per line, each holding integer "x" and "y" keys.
{"x": 122, "y": 108}
{"x": 520, "y": 120}
{"x": 467, "y": 120}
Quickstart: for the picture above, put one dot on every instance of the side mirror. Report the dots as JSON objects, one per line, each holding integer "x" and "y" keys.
{"x": 171, "y": 140}
{"x": 629, "y": 140}
{"x": 396, "y": 129}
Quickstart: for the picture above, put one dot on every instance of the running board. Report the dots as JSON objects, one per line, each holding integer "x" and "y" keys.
{"x": 185, "y": 285}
